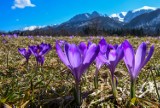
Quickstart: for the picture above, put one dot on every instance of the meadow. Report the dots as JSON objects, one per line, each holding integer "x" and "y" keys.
{"x": 51, "y": 85}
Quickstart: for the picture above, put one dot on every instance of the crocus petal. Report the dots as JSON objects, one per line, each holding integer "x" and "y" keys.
{"x": 89, "y": 43}
{"x": 61, "y": 42}
{"x": 25, "y": 53}
{"x": 99, "y": 63}
{"x": 28, "y": 54}
{"x": 91, "y": 54}
{"x": 40, "y": 47}
{"x": 149, "y": 55}
{"x": 34, "y": 50}
{"x": 83, "y": 48}
{"x": 112, "y": 55}
{"x": 62, "y": 55}
{"x": 139, "y": 59}
{"x": 45, "y": 48}
{"x": 22, "y": 51}
{"x": 40, "y": 59}
{"x": 74, "y": 55}
{"x": 128, "y": 56}
{"x": 119, "y": 54}
{"x": 103, "y": 58}
{"x": 115, "y": 46}
{"x": 111, "y": 66}
{"x": 77, "y": 73}
{"x": 108, "y": 50}
{"x": 103, "y": 45}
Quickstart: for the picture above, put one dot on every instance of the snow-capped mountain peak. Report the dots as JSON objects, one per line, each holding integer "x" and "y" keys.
{"x": 119, "y": 16}
{"x": 128, "y": 16}
{"x": 144, "y": 8}
{"x": 134, "y": 13}
{"x": 124, "y": 13}
{"x": 114, "y": 15}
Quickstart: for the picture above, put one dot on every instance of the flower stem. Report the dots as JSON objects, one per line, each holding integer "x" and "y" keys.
{"x": 77, "y": 94}
{"x": 27, "y": 66}
{"x": 154, "y": 79}
{"x": 133, "y": 81}
{"x": 96, "y": 79}
{"x": 37, "y": 66}
{"x": 113, "y": 82}
{"x": 7, "y": 58}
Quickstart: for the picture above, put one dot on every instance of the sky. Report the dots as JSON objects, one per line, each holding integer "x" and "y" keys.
{"x": 18, "y": 14}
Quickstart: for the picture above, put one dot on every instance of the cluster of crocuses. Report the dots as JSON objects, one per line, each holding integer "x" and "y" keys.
{"x": 10, "y": 36}
{"x": 37, "y": 50}
{"x": 79, "y": 57}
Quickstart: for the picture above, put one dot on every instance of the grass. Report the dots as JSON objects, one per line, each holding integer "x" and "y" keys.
{"x": 52, "y": 85}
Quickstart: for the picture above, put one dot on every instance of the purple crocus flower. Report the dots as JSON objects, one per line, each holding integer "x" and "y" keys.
{"x": 26, "y": 53}
{"x": 102, "y": 59}
{"x": 118, "y": 52}
{"x": 39, "y": 51}
{"x": 135, "y": 62}
{"x": 71, "y": 37}
{"x": 98, "y": 61}
{"x": 111, "y": 56}
{"x": 30, "y": 37}
{"x": 15, "y": 35}
{"x": 3, "y": 35}
{"x": 77, "y": 58}
{"x": 107, "y": 53}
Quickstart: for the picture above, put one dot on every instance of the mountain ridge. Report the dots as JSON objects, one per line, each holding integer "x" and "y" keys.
{"x": 129, "y": 15}
{"x": 142, "y": 18}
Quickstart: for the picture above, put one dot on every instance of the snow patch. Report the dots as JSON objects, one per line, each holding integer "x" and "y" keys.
{"x": 87, "y": 15}
{"x": 119, "y": 16}
{"x": 144, "y": 8}
{"x": 124, "y": 13}
{"x": 114, "y": 15}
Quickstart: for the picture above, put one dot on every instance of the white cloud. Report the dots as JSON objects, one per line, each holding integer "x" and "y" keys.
{"x": 22, "y": 4}
{"x": 30, "y": 28}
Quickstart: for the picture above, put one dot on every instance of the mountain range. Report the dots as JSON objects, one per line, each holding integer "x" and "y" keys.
{"x": 128, "y": 16}
{"x": 146, "y": 18}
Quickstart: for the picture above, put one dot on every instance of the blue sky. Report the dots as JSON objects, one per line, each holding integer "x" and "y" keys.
{"x": 17, "y": 14}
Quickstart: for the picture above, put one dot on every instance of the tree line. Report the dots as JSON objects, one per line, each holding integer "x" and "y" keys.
{"x": 86, "y": 31}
